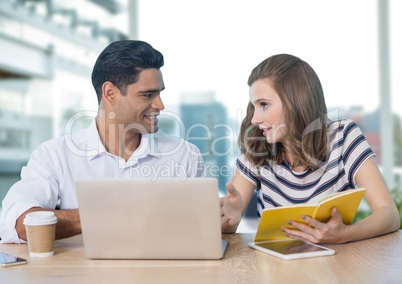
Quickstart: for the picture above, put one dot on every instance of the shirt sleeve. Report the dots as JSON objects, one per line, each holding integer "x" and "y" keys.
{"x": 249, "y": 171}
{"x": 38, "y": 187}
{"x": 196, "y": 167}
{"x": 355, "y": 150}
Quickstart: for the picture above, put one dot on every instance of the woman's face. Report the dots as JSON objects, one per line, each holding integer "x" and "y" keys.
{"x": 268, "y": 111}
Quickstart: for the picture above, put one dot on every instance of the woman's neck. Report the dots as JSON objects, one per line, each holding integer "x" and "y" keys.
{"x": 290, "y": 160}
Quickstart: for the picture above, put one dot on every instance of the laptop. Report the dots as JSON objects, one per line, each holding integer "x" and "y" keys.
{"x": 150, "y": 219}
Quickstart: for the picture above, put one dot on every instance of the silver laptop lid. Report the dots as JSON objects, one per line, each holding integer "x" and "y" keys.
{"x": 144, "y": 219}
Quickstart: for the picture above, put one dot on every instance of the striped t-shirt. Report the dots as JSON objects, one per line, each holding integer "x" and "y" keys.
{"x": 278, "y": 185}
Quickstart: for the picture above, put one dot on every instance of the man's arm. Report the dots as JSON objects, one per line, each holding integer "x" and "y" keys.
{"x": 68, "y": 223}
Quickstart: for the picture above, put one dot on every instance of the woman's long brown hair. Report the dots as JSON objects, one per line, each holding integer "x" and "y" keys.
{"x": 305, "y": 112}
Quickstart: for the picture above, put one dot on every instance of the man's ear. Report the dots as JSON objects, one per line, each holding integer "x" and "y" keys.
{"x": 110, "y": 93}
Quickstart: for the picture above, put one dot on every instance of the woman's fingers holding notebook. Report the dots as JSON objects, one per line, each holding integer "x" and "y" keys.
{"x": 318, "y": 232}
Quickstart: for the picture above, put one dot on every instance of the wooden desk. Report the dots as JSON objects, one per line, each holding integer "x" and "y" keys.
{"x": 377, "y": 260}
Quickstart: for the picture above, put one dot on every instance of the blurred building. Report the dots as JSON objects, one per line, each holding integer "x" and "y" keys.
{"x": 370, "y": 126}
{"x": 206, "y": 125}
{"x": 47, "y": 51}
{"x": 369, "y": 123}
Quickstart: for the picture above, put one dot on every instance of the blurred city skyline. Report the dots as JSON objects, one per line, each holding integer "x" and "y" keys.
{"x": 213, "y": 46}
{"x": 48, "y": 48}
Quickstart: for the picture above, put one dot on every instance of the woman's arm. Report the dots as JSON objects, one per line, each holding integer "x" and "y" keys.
{"x": 235, "y": 202}
{"x": 384, "y": 218}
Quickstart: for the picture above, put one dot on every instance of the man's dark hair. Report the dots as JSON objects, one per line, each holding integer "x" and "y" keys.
{"x": 121, "y": 62}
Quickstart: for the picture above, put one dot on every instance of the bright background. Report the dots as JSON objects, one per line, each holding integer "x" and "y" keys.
{"x": 48, "y": 48}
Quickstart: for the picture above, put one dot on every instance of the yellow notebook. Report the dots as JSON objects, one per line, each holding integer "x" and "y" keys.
{"x": 273, "y": 219}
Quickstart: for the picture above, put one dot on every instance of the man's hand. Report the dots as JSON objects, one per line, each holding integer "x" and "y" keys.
{"x": 231, "y": 209}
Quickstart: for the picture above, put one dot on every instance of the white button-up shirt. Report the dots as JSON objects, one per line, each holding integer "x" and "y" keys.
{"x": 55, "y": 165}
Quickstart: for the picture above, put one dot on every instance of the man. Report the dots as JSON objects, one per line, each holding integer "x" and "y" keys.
{"x": 120, "y": 143}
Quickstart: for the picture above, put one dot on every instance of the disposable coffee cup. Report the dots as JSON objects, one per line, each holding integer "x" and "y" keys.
{"x": 40, "y": 227}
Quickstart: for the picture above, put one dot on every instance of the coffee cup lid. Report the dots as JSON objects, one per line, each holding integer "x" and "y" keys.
{"x": 40, "y": 218}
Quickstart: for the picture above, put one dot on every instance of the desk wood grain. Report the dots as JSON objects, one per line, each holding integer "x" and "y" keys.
{"x": 377, "y": 260}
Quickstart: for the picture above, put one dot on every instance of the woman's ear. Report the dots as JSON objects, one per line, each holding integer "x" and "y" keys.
{"x": 109, "y": 93}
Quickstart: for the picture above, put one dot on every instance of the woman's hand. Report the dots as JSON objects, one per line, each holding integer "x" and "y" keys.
{"x": 231, "y": 209}
{"x": 318, "y": 232}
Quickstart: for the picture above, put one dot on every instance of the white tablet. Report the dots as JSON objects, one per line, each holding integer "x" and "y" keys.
{"x": 291, "y": 249}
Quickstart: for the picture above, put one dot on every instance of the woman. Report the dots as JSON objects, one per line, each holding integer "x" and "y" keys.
{"x": 292, "y": 153}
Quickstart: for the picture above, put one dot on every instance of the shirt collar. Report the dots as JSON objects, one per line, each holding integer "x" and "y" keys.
{"x": 148, "y": 145}
{"x": 94, "y": 143}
